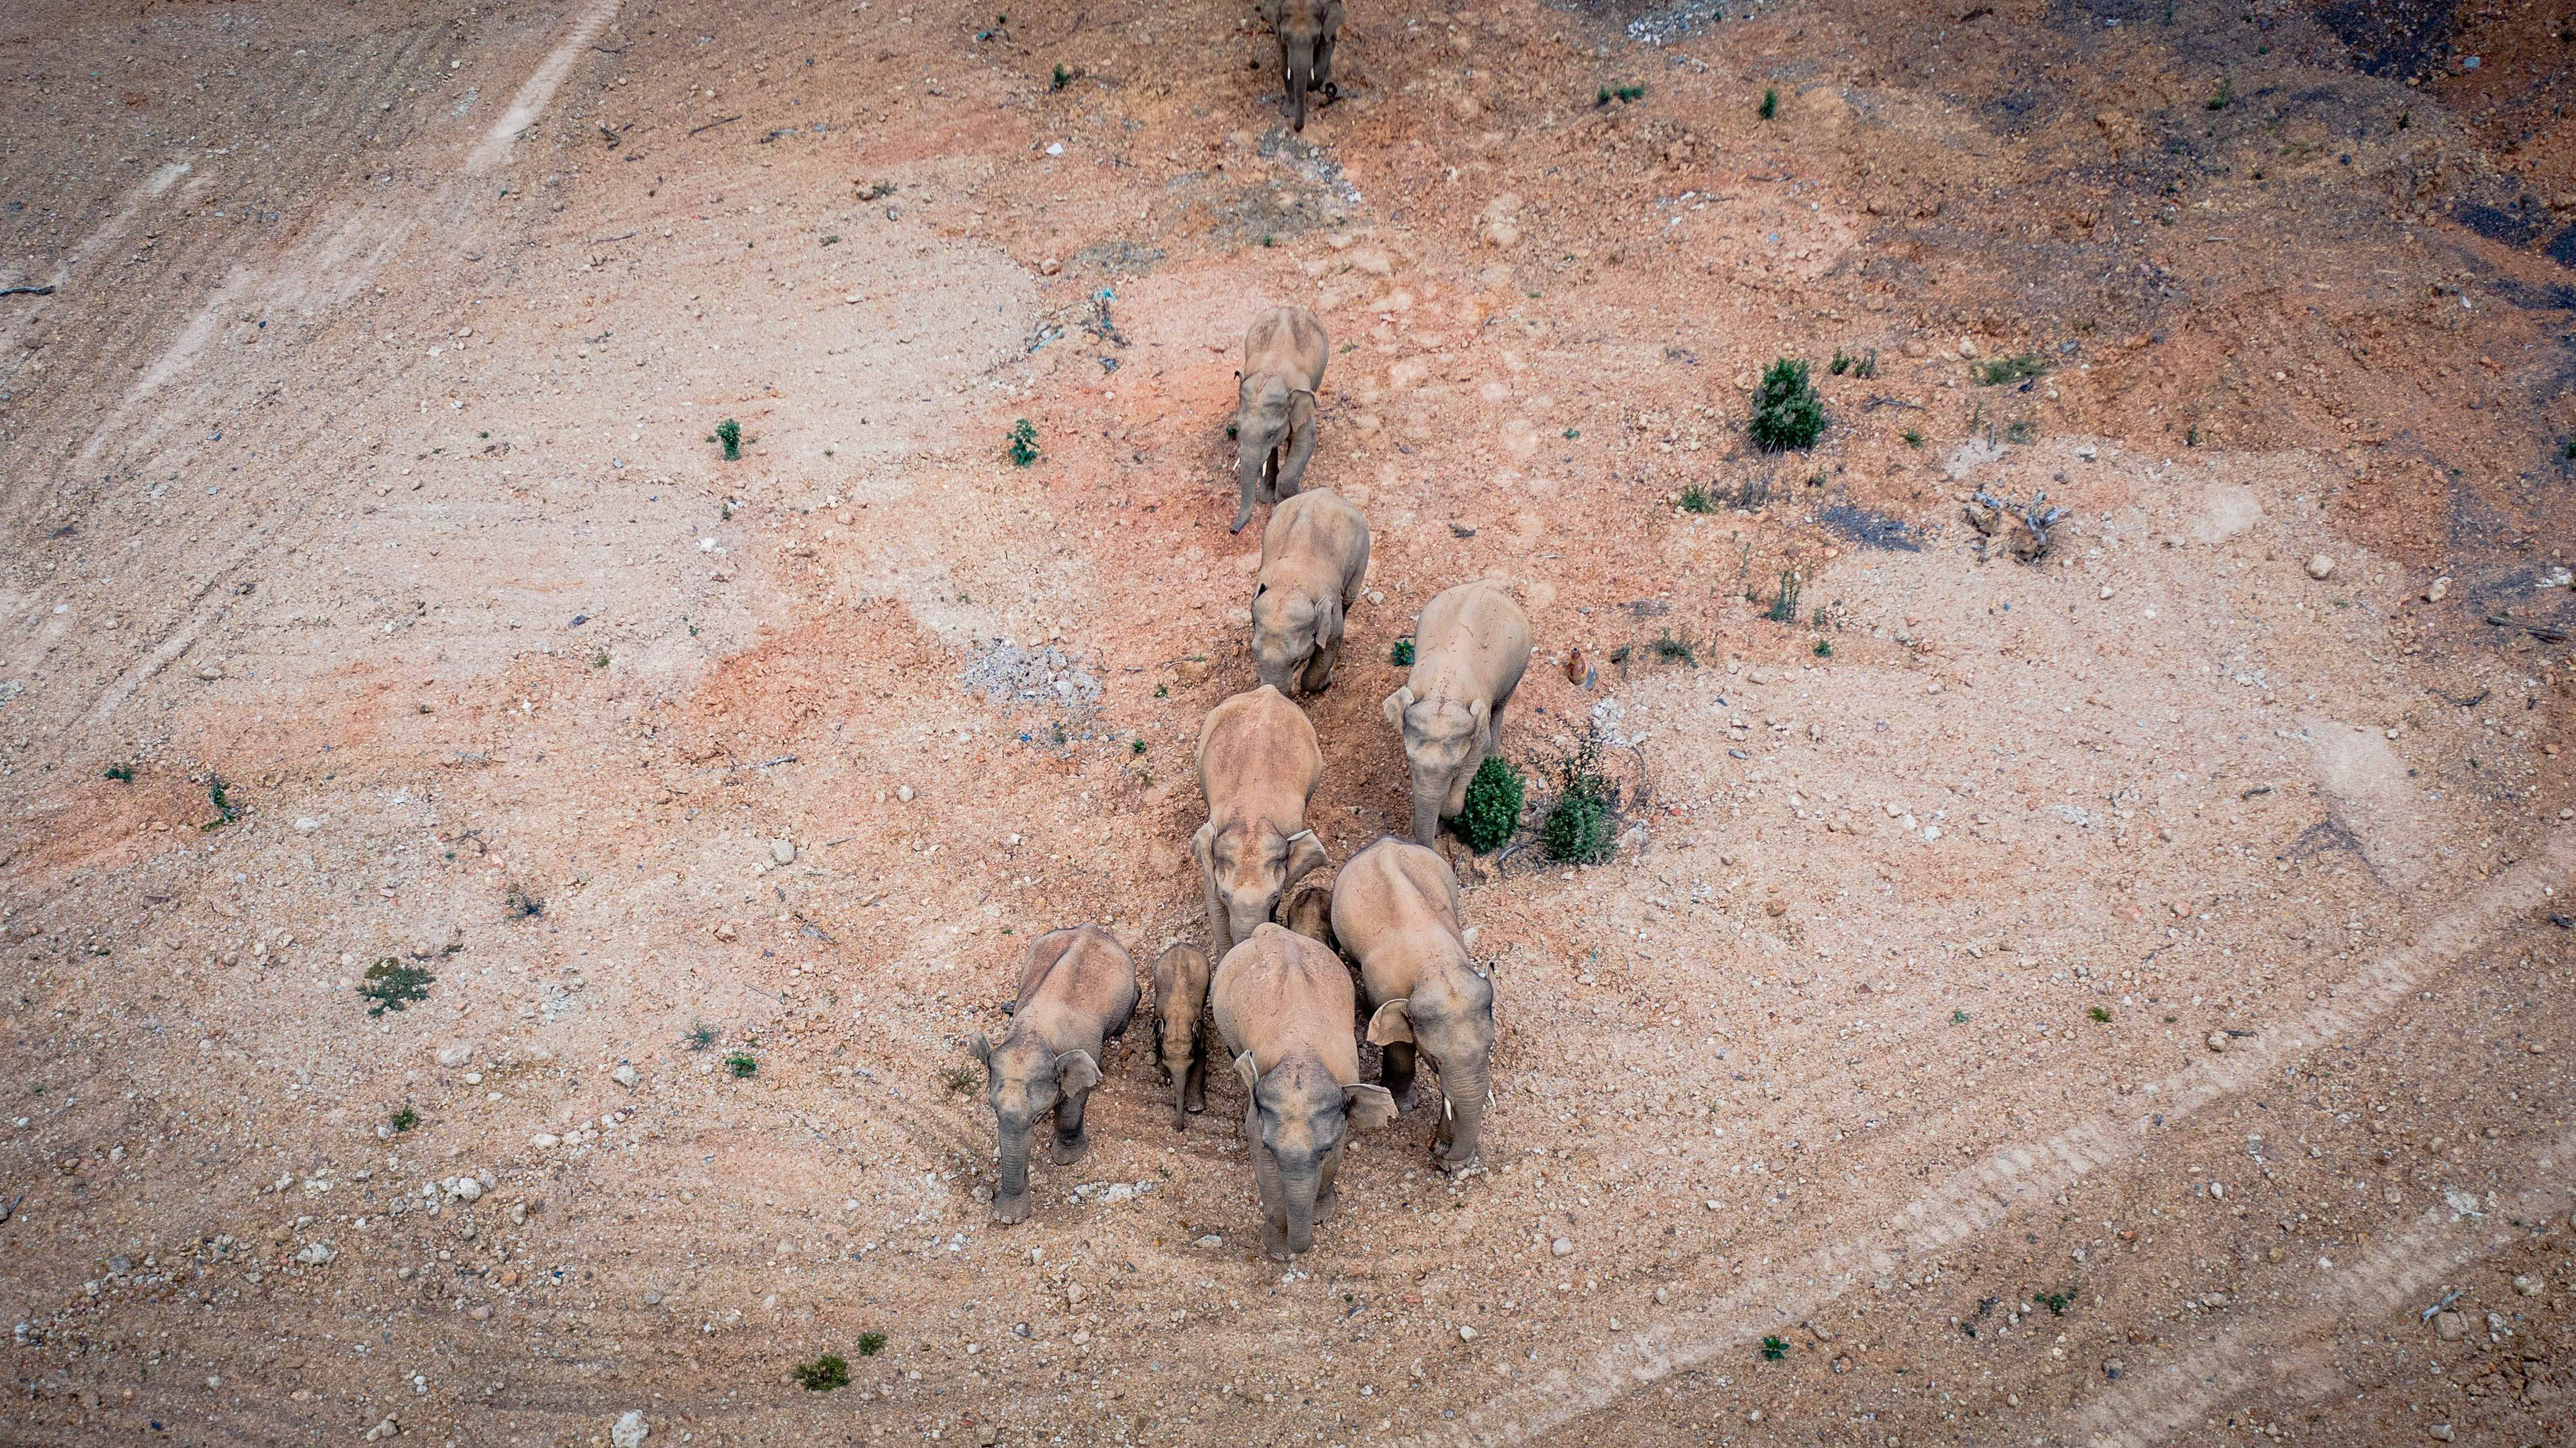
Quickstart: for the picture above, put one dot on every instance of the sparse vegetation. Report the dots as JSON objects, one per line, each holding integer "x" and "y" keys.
{"x": 1787, "y": 413}
{"x": 1864, "y": 365}
{"x": 1675, "y": 651}
{"x": 824, "y": 1373}
{"x": 1062, "y": 75}
{"x": 2099, "y": 1014}
{"x": 599, "y": 660}
{"x": 1491, "y": 813}
{"x": 1770, "y": 104}
{"x": 2219, "y": 98}
{"x": 404, "y": 1119}
{"x": 1824, "y": 648}
{"x": 2010, "y": 369}
{"x": 956, "y": 1080}
{"x": 1958, "y": 1018}
{"x": 700, "y": 1035}
{"x": 393, "y": 985}
{"x": 742, "y": 1064}
{"x": 225, "y": 813}
{"x": 1023, "y": 449}
{"x": 871, "y": 1343}
{"x": 1913, "y": 437}
{"x": 1610, "y": 93}
{"x": 520, "y": 904}
{"x": 2057, "y": 1302}
{"x": 1135, "y": 746}
{"x": 1773, "y": 1349}
{"x": 121, "y": 773}
{"x": 1579, "y": 827}
{"x": 729, "y": 433}
{"x": 1784, "y": 604}
{"x": 1695, "y": 499}
{"x": 2018, "y": 431}
{"x": 1402, "y": 654}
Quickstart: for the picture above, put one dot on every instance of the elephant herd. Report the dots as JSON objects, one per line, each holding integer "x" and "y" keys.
{"x": 1283, "y": 1003}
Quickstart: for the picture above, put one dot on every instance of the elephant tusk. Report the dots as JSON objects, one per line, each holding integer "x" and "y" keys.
{"x": 1448, "y": 1108}
{"x": 1301, "y": 835}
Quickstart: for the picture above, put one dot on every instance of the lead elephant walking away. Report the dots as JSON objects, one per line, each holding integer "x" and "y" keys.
{"x": 1077, "y": 992}
{"x": 1469, "y": 651}
{"x": 1395, "y": 906}
{"x": 1314, "y": 559}
{"x": 1258, "y": 766}
{"x": 1283, "y": 1004}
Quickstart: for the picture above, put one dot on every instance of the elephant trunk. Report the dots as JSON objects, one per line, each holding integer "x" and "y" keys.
{"x": 1298, "y": 1186}
{"x": 1428, "y": 797}
{"x": 1242, "y": 917}
{"x": 1011, "y": 1203}
{"x": 1464, "y": 1084}
{"x": 1301, "y": 74}
{"x": 1253, "y": 459}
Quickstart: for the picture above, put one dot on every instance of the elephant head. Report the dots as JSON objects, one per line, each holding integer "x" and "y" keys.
{"x": 1443, "y": 741}
{"x": 1247, "y": 867}
{"x": 1264, "y": 424}
{"x": 1308, "y": 910}
{"x": 1301, "y": 1116}
{"x": 1288, "y": 626}
{"x": 1449, "y": 1017}
{"x": 1025, "y": 1080}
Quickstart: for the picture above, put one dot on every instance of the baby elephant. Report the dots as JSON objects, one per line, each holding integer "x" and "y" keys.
{"x": 1180, "y": 998}
{"x": 1283, "y": 1004}
{"x": 1314, "y": 555}
{"x": 1077, "y": 992}
{"x": 1395, "y": 906}
{"x": 1307, "y": 30}
{"x": 1258, "y": 766}
{"x": 1274, "y": 425}
{"x": 1469, "y": 651}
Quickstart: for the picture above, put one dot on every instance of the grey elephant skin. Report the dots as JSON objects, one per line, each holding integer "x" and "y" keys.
{"x": 1258, "y": 767}
{"x": 1308, "y": 30}
{"x": 1077, "y": 992}
{"x": 1395, "y": 907}
{"x": 1470, "y": 648}
{"x": 1314, "y": 561}
{"x": 1283, "y": 1005}
{"x": 1274, "y": 423}
{"x": 1180, "y": 1037}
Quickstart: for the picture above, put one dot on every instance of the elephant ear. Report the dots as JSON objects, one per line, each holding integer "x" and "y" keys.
{"x": 1305, "y": 856}
{"x": 1392, "y": 1025}
{"x": 1076, "y": 1071}
{"x": 1246, "y": 1072}
{"x": 1397, "y": 703}
{"x": 980, "y": 1049}
{"x": 1370, "y": 1106}
{"x": 1199, "y": 845}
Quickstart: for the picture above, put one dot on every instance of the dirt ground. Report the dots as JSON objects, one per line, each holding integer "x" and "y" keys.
{"x": 2116, "y": 998}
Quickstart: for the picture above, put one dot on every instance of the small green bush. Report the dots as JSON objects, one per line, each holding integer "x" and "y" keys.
{"x": 405, "y": 1119}
{"x": 1061, "y": 76}
{"x": 393, "y": 985}
{"x": 2011, "y": 369}
{"x": 2099, "y": 1014}
{"x": 824, "y": 1373}
{"x": 1784, "y": 604}
{"x": 742, "y": 1064}
{"x": 1402, "y": 654}
{"x": 1695, "y": 499}
{"x": 1787, "y": 413}
{"x": 871, "y": 1343}
{"x": 2218, "y": 99}
{"x": 121, "y": 773}
{"x": 1024, "y": 443}
{"x": 700, "y": 1035}
{"x": 1824, "y": 648}
{"x": 1913, "y": 437}
{"x": 1580, "y": 826}
{"x": 729, "y": 433}
{"x": 1773, "y": 1349}
{"x": 1675, "y": 651}
{"x": 1491, "y": 813}
{"x": 1770, "y": 104}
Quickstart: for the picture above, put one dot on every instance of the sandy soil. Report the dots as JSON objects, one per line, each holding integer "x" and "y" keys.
{"x": 2120, "y": 998}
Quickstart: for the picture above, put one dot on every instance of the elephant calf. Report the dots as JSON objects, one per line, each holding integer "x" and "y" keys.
{"x": 1307, "y": 30}
{"x": 1283, "y": 1004}
{"x": 1180, "y": 1043}
{"x": 1077, "y": 992}
{"x": 1274, "y": 425}
{"x": 1314, "y": 556}
{"x": 1395, "y": 906}
{"x": 1470, "y": 649}
{"x": 1258, "y": 766}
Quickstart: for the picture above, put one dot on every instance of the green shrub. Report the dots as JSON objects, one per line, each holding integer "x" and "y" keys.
{"x": 1402, "y": 654}
{"x": 121, "y": 773}
{"x": 1784, "y": 604}
{"x": 729, "y": 433}
{"x": 871, "y": 1343}
{"x": 1491, "y": 813}
{"x": 1580, "y": 826}
{"x": 700, "y": 1035}
{"x": 2011, "y": 369}
{"x": 405, "y": 1119}
{"x": 393, "y": 985}
{"x": 1824, "y": 648}
{"x": 1024, "y": 444}
{"x": 742, "y": 1064}
{"x": 1695, "y": 499}
{"x": 1773, "y": 1349}
{"x": 1770, "y": 104}
{"x": 824, "y": 1373}
{"x": 1787, "y": 413}
{"x": 1675, "y": 651}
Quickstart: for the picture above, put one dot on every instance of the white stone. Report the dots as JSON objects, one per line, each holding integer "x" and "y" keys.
{"x": 307, "y": 825}
{"x": 315, "y": 1255}
{"x": 457, "y": 1054}
{"x": 624, "y": 1076}
{"x": 630, "y": 1432}
{"x": 2320, "y": 566}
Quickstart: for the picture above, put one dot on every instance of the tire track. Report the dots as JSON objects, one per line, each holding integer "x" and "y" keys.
{"x": 1975, "y": 1201}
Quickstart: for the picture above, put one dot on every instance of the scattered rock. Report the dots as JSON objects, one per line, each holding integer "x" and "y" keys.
{"x": 545, "y": 1141}
{"x": 784, "y": 852}
{"x": 624, "y": 1076}
{"x": 1466, "y": 1334}
{"x": 305, "y": 826}
{"x": 2530, "y": 1286}
{"x": 2439, "y": 589}
{"x": 1914, "y": 347}
{"x": 1562, "y": 1247}
{"x": 2218, "y": 1040}
{"x": 904, "y": 793}
{"x": 1967, "y": 347}
{"x": 2450, "y": 1326}
{"x": 1049, "y": 267}
{"x": 2320, "y": 566}
{"x": 315, "y": 1255}
{"x": 630, "y": 1431}
{"x": 383, "y": 1430}
{"x": 457, "y": 1054}
{"x": 2441, "y": 1432}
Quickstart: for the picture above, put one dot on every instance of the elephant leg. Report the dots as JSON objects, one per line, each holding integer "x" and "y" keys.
{"x": 1071, "y": 1144}
{"x": 1326, "y": 1198}
{"x": 1494, "y": 727}
{"x": 1324, "y": 69}
{"x": 1194, "y": 1077}
{"x": 1395, "y": 1071}
{"x": 1274, "y": 1202}
{"x": 1319, "y": 669}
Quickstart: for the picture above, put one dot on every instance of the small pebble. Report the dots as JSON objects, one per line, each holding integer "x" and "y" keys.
{"x": 1562, "y": 1247}
{"x": 2440, "y": 589}
{"x": 2320, "y": 566}
{"x": 624, "y": 1076}
{"x": 904, "y": 794}
{"x": 2218, "y": 1040}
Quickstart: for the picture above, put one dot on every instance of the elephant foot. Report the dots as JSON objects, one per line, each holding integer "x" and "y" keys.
{"x": 1332, "y": 92}
{"x": 1325, "y": 1202}
{"x": 1445, "y": 1159}
{"x": 1008, "y": 1210}
{"x": 1239, "y": 520}
{"x": 1068, "y": 1150}
{"x": 1196, "y": 1102}
{"x": 1274, "y": 1241}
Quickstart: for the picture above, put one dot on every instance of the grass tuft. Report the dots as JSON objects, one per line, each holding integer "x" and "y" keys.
{"x": 742, "y": 1064}
{"x": 871, "y": 1343}
{"x": 1824, "y": 648}
{"x": 1491, "y": 813}
{"x": 2099, "y": 1014}
{"x": 1784, "y": 604}
{"x": 1696, "y": 499}
{"x": 1787, "y": 413}
{"x": 824, "y": 1373}
{"x": 1023, "y": 449}
{"x": 1773, "y": 1349}
{"x": 1770, "y": 104}
{"x": 121, "y": 773}
{"x": 700, "y": 1035}
{"x": 404, "y": 1119}
{"x": 1864, "y": 365}
{"x": 1675, "y": 651}
{"x": 729, "y": 433}
{"x": 2010, "y": 369}
{"x": 1581, "y": 826}
{"x": 393, "y": 985}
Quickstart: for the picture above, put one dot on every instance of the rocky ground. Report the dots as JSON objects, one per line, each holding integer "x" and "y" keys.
{"x": 2118, "y": 996}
